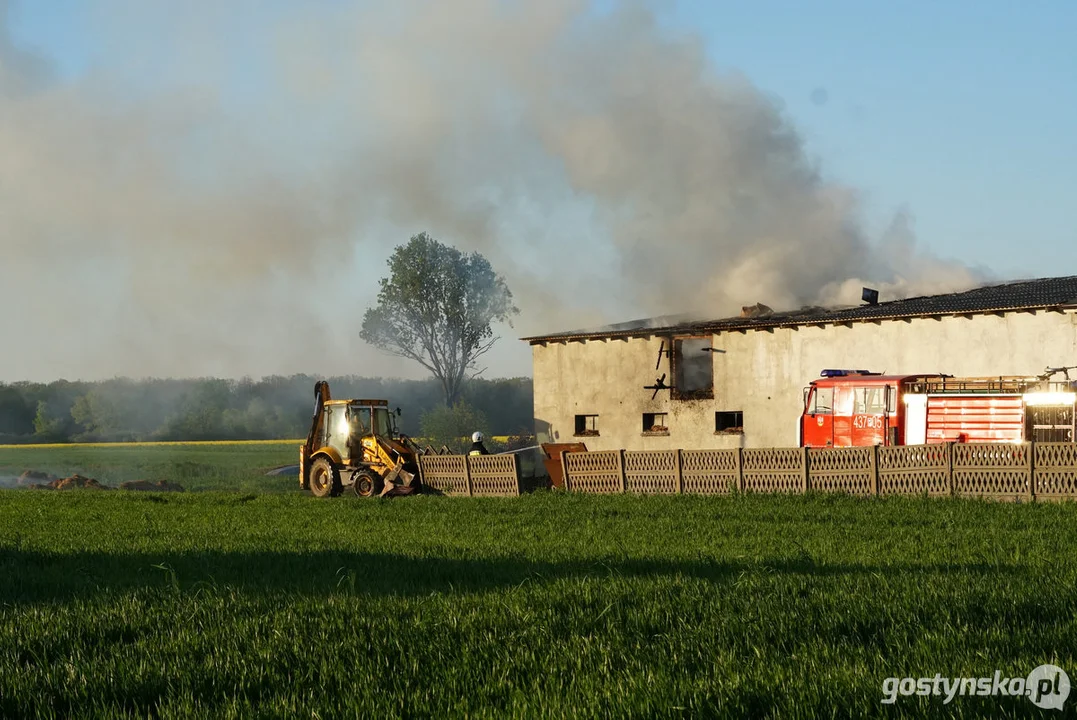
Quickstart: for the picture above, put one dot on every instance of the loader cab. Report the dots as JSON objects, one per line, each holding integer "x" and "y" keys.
{"x": 372, "y": 417}
{"x": 347, "y": 422}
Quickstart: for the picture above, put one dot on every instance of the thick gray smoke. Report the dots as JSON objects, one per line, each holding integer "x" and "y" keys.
{"x": 217, "y": 192}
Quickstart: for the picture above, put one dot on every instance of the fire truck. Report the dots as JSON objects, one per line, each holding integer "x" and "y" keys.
{"x": 846, "y": 408}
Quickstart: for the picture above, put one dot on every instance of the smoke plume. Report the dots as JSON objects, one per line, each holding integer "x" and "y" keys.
{"x": 217, "y": 190}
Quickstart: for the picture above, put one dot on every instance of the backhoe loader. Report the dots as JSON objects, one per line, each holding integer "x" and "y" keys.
{"x": 354, "y": 445}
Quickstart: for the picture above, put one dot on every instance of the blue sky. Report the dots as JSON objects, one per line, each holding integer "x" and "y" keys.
{"x": 961, "y": 113}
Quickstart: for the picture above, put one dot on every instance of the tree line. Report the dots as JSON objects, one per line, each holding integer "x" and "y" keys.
{"x": 127, "y": 410}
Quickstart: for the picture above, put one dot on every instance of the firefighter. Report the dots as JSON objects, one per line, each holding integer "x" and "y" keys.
{"x": 477, "y": 448}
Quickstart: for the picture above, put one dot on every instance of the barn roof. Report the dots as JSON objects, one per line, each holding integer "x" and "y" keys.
{"x": 1039, "y": 294}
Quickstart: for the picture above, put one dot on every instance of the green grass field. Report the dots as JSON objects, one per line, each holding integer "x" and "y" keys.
{"x": 247, "y": 604}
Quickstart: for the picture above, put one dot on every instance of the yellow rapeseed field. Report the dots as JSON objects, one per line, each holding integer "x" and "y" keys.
{"x": 495, "y": 438}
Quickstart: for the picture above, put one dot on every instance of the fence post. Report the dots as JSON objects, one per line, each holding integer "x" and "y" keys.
{"x": 564, "y": 471}
{"x": 950, "y": 469}
{"x": 621, "y": 469}
{"x": 740, "y": 469}
{"x": 1030, "y": 464}
{"x": 874, "y": 469}
{"x": 806, "y": 471}
{"x": 467, "y": 476}
{"x": 680, "y": 471}
{"x": 516, "y": 472}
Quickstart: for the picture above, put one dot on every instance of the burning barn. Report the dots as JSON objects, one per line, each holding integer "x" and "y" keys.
{"x": 739, "y": 381}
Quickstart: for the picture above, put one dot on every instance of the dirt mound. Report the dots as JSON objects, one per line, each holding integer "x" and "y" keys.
{"x": 159, "y": 486}
{"x": 77, "y": 481}
{"x": 35, "y": 477}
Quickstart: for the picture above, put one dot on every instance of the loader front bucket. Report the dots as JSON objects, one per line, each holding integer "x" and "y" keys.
{"x": 398, "y": 490}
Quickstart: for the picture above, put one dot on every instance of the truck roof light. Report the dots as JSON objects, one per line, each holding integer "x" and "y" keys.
{"x": 843, "y": 373}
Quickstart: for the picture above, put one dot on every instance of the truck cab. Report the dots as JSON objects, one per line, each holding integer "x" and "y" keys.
{"x": 849, "y": 408}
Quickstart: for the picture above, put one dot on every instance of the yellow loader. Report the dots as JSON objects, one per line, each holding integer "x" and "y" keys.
{"x": 354, "y": 445}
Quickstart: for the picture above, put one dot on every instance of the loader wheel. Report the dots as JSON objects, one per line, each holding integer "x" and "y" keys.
{"x": 367, "y": 484}
{"x": 324, "y": 479}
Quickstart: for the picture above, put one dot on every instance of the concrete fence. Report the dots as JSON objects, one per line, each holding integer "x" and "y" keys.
{"x": 1040, "y": 471}
{"x": 472, "y": 476}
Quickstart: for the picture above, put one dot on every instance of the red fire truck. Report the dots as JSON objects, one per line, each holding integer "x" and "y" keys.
{"x": 846, "y": 408}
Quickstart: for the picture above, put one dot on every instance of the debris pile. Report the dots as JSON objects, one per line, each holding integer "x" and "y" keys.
{"x": 35, "y": 477}
{"x": 78, "y": 481}
{"x": 757, "y": 310}
{"x": 75, "y": 481}
{"x": 159, "y": 486}
{"x": 38, "y": 480}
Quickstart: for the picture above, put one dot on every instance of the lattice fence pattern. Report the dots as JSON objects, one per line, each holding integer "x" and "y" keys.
{"x": 651, "y": 471}
{"x": 847, "y": 470}
{"x": 710, "y": 472}
{"x": 769, "y": 459}
{"x": 772, "y": 470}
{"x": 1005, "y": 471}
{"x": 1056, "y": 470}
{"x": 445, "y": 474}
{"x": 594, "y": 472}
{"x": 914, "y": 470}
{"x": 992, "y": 469}
{"x": 494, "y": 475}
{"x": 992, "y": 455}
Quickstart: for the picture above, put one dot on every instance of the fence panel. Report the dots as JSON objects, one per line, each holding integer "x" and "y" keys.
{"x": 494, "y": 475}
{"x": 1056, "y": 471}
{"x": 914, "y": 470}
{"x": 844, "y": 470}
{"x": 651, "y": 471}
{"x": 710, "y": 472}
{"x": 593, "y": 472}
{"x": 992, "y": 470}
{"x": 774, "y": 470}
{"x": 444, "y": 474}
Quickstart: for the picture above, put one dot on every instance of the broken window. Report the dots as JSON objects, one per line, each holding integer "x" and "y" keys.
{"x": 693, "y": 369}
{"x": 655, "y": 423}
{"x": 731, "y": 422}
{"x": 587, "y": 425}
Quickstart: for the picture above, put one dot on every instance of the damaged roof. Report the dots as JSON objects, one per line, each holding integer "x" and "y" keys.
{"x": 1040, "y": 294}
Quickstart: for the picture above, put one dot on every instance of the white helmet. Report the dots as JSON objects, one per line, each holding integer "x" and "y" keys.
{"x": 476, "y": 437}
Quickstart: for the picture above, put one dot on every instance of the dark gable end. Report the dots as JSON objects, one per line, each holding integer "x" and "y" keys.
{"x": 1042, "y": 294}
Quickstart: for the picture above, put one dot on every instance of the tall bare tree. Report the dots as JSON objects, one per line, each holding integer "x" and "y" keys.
{"x": 436, "y": 307}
